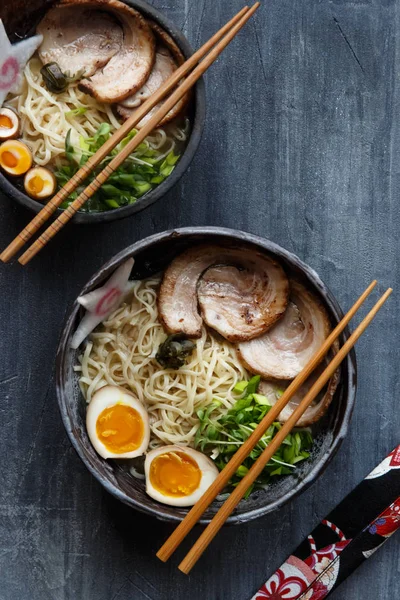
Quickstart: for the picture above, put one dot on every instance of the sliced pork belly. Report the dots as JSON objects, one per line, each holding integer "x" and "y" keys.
{"x": 242, "y": 302}
{"x": 163, "y": 68}
{"x": 284, "y": 351}
{"x": 273, "y": 391}
{"x": 168, "y": 58}
{"x": 79, "y": 37}
{"x": 240, "y": 297}
{"x": 164, "y": 39}
{"x": 129, "y": 68}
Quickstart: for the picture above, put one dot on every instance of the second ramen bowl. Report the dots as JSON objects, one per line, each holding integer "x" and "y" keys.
{"x": 20, "y": 19}
{"x": 152, "y": 255}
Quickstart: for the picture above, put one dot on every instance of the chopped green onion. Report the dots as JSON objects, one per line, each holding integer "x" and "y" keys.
{"x": 240, "y": 387}
{"x": 76, "y": 111}
{"x": 111, "y": 203}
{"x": 142, "y": 171}
{"x": 220, "y": 436}
{"x": 262, "y": 400}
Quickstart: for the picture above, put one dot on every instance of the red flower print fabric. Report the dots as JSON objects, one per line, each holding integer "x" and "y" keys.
{"x": 388, "y": 522}
{"x": 350, "y": 534}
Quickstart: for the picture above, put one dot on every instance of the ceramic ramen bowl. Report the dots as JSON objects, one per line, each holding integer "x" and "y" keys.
{"x": 152, "y": 255}
{"x": 20, "y": 19}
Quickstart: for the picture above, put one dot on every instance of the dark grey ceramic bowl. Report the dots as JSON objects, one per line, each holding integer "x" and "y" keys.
{"x": 20, "y": 18}
{"x": 152, "y": 255}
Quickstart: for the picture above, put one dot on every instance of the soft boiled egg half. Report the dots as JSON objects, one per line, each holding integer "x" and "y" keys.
{"x": 15, "y": 157}
{"x": 9, "y": 124}
{"x": 40, "y": 183}
{"x": 117, "y": 423}
{"x": 178, "y": 475}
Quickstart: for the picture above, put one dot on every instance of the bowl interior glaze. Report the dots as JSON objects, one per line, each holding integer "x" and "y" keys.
{"x": 152, "y": 255}
{"x": 20, "y": 19}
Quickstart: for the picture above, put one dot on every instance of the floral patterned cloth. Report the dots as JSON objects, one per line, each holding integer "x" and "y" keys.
{"x": 350, "y": 534}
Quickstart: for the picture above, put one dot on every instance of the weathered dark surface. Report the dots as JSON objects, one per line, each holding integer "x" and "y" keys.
{"x": 302, "y": 146}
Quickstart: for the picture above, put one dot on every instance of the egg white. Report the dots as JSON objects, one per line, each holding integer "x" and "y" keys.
{"x": 209, "y": 473}
{"x": 13, "y": 131}
{"x": 48, "y": 179}
{"x": 110, "y": 396}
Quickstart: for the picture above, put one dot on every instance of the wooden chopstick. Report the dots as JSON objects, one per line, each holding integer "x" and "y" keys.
{"x": 234, "y": 498}
{"x": 102, "y": 177}
{"x": 237, "y": 459}
{"x": 117, "y": 137}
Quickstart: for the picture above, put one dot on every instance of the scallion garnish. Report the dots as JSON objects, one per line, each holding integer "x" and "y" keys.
{"x": 222, "y": 436}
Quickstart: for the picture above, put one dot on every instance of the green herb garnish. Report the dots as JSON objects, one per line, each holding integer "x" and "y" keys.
{"x": 69, "y": 149}
{"x": 142, "y": 171}
{"x": 222, "y": 436}
{"x": 76, "y": 112}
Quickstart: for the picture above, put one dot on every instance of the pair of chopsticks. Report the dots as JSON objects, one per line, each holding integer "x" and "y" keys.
{"x": 209, "y": 52}
{"x": 223, "y": 478}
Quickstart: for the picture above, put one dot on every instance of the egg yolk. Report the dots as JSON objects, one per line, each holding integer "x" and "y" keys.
{"x": 175, "y": 474}
{"x": 36, "y": 185}
{"x": 120, "y": 428}
{"x": 5, "y": 122}
{"x": 15, "y": 157}
{"x": 9, "y": 159}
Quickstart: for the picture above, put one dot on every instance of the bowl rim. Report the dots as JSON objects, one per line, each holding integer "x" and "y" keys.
{"x": 198, "y": 121}
{"x": 104, "y": 272}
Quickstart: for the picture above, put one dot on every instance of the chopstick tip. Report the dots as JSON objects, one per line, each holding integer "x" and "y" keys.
{"x": 183, "y": 569}
{"x": 252, "y": 9}
{"x": 160, "y": 555}
{"x": 4, "y": 257}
